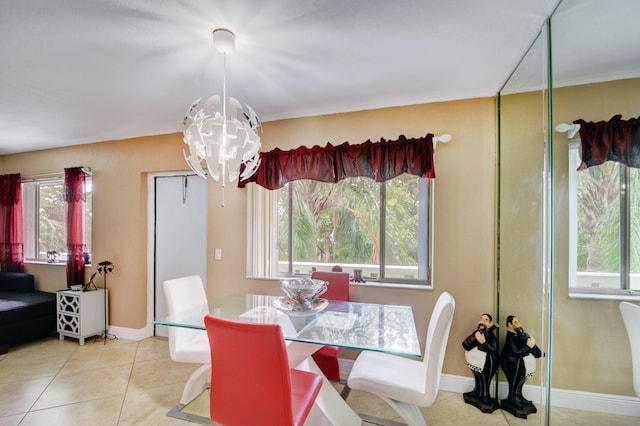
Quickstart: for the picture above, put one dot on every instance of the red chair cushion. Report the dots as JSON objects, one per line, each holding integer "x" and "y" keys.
{"x": 305, "y": 387}
{"x": 338, "y": 284}
{"x": 327, "y": 357}
{"x": 327, "y": 360}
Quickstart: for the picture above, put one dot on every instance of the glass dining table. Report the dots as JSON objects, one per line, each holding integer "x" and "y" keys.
{"x": 363, "y": 326}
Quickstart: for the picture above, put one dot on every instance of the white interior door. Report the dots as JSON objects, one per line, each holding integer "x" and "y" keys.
{"x": 180, "y": 242}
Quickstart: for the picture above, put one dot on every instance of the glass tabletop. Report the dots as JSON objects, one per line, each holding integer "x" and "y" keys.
{"x": 367, "y": 326}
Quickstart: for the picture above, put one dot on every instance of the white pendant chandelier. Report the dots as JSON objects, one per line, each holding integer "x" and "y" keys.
{"x": 216, "y": 135}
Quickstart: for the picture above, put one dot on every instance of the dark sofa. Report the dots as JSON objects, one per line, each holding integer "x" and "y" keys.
{"x": 25, "y": 313}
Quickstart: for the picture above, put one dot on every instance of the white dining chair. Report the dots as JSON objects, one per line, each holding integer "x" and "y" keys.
{"x": 406, "y": 384}
{"x": 631, "y": 316}
{"x": 185, "y": 344}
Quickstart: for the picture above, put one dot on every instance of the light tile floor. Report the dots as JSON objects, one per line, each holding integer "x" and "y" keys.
{"x": 52, "y": 382}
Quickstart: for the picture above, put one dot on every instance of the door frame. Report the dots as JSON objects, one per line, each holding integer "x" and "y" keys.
{"x": 151, "y": 219}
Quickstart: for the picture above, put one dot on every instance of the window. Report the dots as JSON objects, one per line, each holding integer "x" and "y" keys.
{"x": 381, "y": 228}
{"x": 604, "y": 237}
{"x": 45, "y": 228}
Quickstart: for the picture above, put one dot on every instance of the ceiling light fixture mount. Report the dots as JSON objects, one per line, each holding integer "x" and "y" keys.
{"x": 224, "y": 40}
{"x": 216, "y": 135}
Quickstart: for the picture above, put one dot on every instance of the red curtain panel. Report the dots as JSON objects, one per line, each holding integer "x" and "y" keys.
{"x": 74, "y": 196}
{"x": 11, "y": 219}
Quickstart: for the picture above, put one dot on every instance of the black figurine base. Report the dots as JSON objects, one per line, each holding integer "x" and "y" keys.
{"x": 520, "y": 411}
{"x": 486, "y": 407}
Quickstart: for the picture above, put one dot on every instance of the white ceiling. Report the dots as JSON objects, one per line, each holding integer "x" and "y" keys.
{"x": 82, "y": 71}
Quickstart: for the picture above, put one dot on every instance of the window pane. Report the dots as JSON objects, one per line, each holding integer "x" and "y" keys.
{"x": 283, "y": 229}
{"x": 88, "y": 219}
{"x": 339, "y": 224}
{"x": 52, "y": 219}
{"x": 634, "y": 197}
{"x": 401, "y": 228}
{"x": 29, "y": 206}
{"x": 598, "y": 190}
{"x": 332, "y": 224}
{"x": 354, "y": 218}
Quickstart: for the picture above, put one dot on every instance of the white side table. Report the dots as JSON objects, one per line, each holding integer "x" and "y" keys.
{"x": 81, "y": 314}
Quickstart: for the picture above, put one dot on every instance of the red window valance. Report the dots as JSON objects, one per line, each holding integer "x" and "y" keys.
{"x": 380, "y": 161}
{"x": 74, "y": 184}
{"x": 613, "y": 140}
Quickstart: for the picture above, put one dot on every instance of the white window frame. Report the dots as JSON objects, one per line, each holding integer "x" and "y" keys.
{"x": 262, "y": 253}
{"x": 31, "y": 213}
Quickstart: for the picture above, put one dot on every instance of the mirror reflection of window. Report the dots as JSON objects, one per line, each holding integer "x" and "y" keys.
{"x": 605, "y": 226}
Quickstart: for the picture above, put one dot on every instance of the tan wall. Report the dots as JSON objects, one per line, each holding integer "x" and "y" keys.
{"x": 119, "y": 212}
{"x": 464, "y": 209}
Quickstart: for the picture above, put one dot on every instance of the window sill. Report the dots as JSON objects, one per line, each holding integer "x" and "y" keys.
{"x": 392, "y": 285}
{"x": 364, "y": 284}
{"x": 44, "y": 262}
{"x": 621, "y": 295}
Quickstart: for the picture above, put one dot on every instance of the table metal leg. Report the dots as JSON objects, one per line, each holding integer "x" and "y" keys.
{"x": 177, "y": 413}
{"x": 197, "y": 383}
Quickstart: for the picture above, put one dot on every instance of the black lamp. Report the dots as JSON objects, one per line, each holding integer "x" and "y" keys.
{"x": 104, "y": 268}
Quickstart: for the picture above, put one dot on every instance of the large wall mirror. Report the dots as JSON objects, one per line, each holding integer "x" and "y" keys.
{"x": 586, "y": 66}
{"x": 596, "y": 75}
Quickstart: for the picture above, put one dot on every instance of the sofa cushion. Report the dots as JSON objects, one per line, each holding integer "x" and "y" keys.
{"x": 16, "y": 282}
{"x": 16, "y": 307}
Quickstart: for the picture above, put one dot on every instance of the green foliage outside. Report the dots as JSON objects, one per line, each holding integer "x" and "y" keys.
{"x": 599, "y": 218}
{"x": 340, "y": 223}
{"x": 52, "y": 217}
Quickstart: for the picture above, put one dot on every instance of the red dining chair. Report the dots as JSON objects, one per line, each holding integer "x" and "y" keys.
{"x": 327, "y": 357}
{"x": 253, "y": 382}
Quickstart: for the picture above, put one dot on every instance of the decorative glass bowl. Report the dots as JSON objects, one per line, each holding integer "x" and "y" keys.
{"x": 302, "y": 294}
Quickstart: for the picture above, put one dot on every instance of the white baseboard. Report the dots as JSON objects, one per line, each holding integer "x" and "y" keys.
{"x": 130, "y": 333}
{"x": 562, "y": 398}
{"x": 603, "y": 403}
